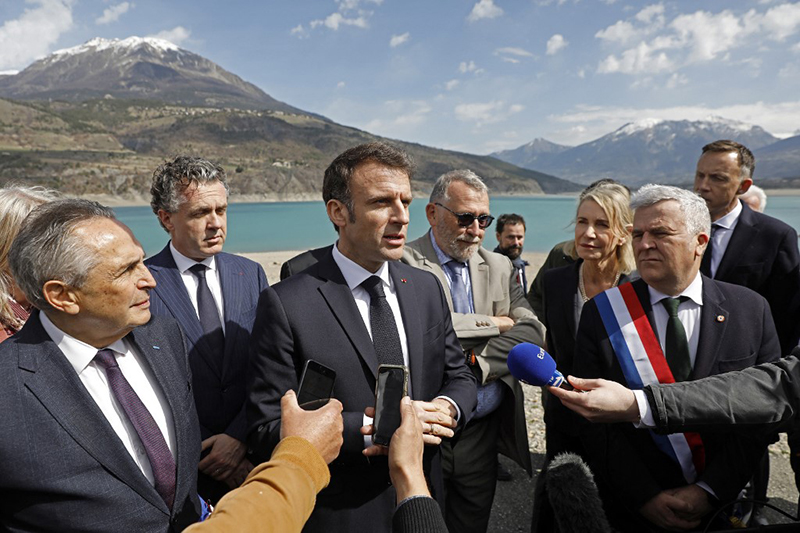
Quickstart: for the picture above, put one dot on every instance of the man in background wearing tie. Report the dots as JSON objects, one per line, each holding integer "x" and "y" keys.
{"x": 213, "y": 297}
{"x": 99, "y": 426}
{"x": 490, "y": 316}
{"x": 754, "y": 250}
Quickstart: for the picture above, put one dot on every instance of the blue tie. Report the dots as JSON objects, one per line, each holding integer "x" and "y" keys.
{"x": 458, "y": 290}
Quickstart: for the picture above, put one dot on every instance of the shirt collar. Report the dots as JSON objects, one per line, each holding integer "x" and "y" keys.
{"x": 185, "y": 263}
{"x": 78, "y": 353}
{"x": 441, "y": 255}
{"x": 694, "y": 292}
{"x": 354, "y": 274}
{"x": 730, "y": 219}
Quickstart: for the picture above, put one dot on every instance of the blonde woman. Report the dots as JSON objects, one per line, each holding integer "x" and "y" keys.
{"x": 604, "y": 259}
{"x": 15, "y": 204}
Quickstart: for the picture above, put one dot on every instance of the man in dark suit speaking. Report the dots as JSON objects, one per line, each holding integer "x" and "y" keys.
{"x": 673, "y": 324}
{"x": 213, "y": 297}
{"x": 356, "y": 308}
{"x": 99, "y": 426}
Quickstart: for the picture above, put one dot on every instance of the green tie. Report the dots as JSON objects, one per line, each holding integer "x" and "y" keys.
{"x": 677, "y": 346}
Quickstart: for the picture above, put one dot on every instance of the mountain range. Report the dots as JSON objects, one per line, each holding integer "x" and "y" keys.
{"x": 99, "y": 118}
{"x": 663, "y": 151}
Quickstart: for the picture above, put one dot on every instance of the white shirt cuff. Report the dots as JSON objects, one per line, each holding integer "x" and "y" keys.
{"x": 705, "y": 487}
{"x": 367, "y": 438}
{"x": 454, "y": 404}
{"x": 646, "y": 420}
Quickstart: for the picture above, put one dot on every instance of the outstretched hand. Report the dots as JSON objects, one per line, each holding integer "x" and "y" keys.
{"x": 599, "y": 400}
{"x": 322, "y": 428}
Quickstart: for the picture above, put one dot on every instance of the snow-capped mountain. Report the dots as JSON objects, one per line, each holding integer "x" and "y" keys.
{"x": 649, "y": 150}
{"x": 135, "y": 68}
{"x": 536, "y": 153}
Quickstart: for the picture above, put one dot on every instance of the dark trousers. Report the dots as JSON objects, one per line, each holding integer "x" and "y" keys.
{"x": 470, "y": 475}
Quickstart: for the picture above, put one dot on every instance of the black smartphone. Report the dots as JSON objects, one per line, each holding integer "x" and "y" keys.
{"x": 392, "y": 385}
{"x": 316, "y": 385}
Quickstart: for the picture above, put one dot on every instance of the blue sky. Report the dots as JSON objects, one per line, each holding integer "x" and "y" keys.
{"x": 470, "y": 75}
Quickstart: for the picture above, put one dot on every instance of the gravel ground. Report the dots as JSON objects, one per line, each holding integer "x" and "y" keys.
{"x": 514, "y": 499}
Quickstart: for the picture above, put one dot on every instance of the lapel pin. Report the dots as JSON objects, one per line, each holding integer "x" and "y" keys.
{"x": 156, "y": 348}
{"x": 403, "y": 280}
{"x": 720, "y": 318}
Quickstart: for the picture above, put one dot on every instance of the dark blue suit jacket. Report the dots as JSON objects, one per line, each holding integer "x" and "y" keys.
{"x": 64, "y": 468}
{"x": 219, "y": 392}
{"x": 736, "y": 332}
{"x": 312, "y": 315}
{"x": 762, "y": 255}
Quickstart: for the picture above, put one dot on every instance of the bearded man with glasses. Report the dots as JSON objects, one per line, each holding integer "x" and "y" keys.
{"x": 490, "y": 316}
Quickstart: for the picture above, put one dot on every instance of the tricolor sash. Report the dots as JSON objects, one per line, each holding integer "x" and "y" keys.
{"x": 643, "y": 363}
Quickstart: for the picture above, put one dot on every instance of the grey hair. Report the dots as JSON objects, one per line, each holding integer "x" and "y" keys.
{"x": 48, "y": 249}
{"x": 693, "y": 208}
{"x": 440, "y": 192}
{"x": 172, "y": 178}
{"x": 759, "y": 193}
{"x": 15, "y": 203}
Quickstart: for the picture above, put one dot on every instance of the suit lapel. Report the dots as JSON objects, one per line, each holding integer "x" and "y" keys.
{"x": 712, "y": 329}
{"x": 745, "y": 233}
{"x": 479, "y": 280}
{"x": 170, "y": 383}
{"x": 407, "y": 298}
{"x": 232, "y": 285}
{"x": 432, "y": 265}
{"x": 566, "y": 292}
{"x": 339, "y": 298}
{"x": 53, "y": 381}
{"x": 172, "y": 292}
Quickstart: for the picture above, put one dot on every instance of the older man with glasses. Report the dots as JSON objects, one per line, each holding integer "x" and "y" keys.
{"x": 490, "y": 316}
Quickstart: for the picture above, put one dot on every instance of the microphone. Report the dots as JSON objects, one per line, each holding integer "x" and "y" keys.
{"x": 573, "y": 495}
{"x": 532, "y": 365}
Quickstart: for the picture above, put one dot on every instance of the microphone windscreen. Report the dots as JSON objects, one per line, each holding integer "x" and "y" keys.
{"x": 573, "y": 495}
{"x": 531, "y": 364}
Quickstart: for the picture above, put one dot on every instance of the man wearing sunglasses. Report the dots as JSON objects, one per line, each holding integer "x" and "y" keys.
{"x": 490, "y": 316}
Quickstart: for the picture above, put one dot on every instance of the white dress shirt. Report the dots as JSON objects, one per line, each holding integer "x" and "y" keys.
{"x": 722, "y": 231}
{"x": 81, "y": 356}
{"x": 190, "y": 281}
{"x": 354, "y": 275}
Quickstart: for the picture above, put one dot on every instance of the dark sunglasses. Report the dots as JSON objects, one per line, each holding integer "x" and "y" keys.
{"x": 466, "y": 219}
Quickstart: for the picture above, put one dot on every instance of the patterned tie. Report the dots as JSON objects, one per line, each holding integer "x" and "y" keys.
{"x": 381, "y": 320}
{"x": 705, "y": 264}
{"x": 161, "y": 460}
{"x": 458, "y": 290}
{"x": 677, "y": 347}
{"x": 207, "y": 311}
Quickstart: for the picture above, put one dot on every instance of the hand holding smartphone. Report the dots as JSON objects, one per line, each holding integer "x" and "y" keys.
{"x": 316, "y": 385}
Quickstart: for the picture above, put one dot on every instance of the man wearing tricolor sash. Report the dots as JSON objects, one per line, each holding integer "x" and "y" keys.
{"x": 674, "y": 324}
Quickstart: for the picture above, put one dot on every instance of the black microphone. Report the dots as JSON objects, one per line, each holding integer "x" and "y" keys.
{"x": 532, "y": 365}
{"x": 573, "y": 495}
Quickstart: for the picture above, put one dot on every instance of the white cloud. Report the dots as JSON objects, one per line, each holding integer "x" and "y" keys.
{"x": 113, "y": 13}
{"x": 510, "y": 50}
{"x": 510, "y": 60}
{"x": 299, "y": 31}
{"x": 340, "y": 85}
{"x": 691, "y": 38}
{"x": 465, "y": 67}
{"x": 484, "y": 9}
{"x": 401, "y": 114}
{"x": 452, "y": 84}
{"x": 636, "y": 60}
{"x": 176, "y": 35}
{"x": 795, "y": 47}
{"x": 335, "y": 20}
{"x": 582, "y": 73}
{"x": 486, "y": 113}
{"x": 397, "y": 40}
{"x": 676, "y": 79}
{"x": 556, "y": 43}
{"x": 34, "y": 32}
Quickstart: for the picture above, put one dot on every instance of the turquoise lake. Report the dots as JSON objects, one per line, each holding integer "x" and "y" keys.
{"x": 266, "y": 227}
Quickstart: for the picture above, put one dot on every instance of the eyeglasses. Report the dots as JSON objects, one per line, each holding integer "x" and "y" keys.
{"x": 466, "y": 219}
